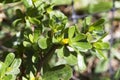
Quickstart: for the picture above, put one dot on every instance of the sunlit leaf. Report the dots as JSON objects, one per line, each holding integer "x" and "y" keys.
{"x": 28, "y": 3}
{"x": 82, "y": 46}
{"x": 99, "y": 54}
{"x": 16, "y": 22}
{"x": 62, "y": 72}
{"x": 71, "y": 59}
{"x": 34, "y": 20}
{"x": 101, "y": 45}
{"x": 98, "y": 22}
{"x": 42, "y": 43}
{"x": 36, "y": 35}
{"x": 23, "y": 78}
{"x": 31, "y": 37}
{"x": 79, "y": 37}
{"x": 117, "y": 74}
{"x": 97, "y": 27}
{"x": 2, "y": 68}
{"x": 26, "y": 44}
{"x": 102, "y": 66}
{"x": 81, "y": 62}
{"x": 71, "y": 32}
{"x": 101, "y": 6}
{"x": 8, "y": 77}
{"x": 32, "y": 76}
{"x": 9, "y": 59}
{"x": 16, "y": 63}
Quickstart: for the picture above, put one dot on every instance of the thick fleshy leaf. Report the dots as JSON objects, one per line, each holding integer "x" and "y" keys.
{"x": 101, "y": 45}
{"x": 79, "y": 37}
{"x": 31, "y": 37}
{"x": 36, "y": 35}
{"x": 99, "y": 54}
{"x": 71, "y": 59}
{"x": 12, "y": 71}
{"x": 34, "y": 20}
{"x": 28, "y": 3}
{"x": 23, "y": 78}
{"x": 82, "y": 46}
{"x": 62, "y": 72}
{"x": 16, "y": 22}
{"x": 91, "y": 38}
{"x": 88, "y": 20}
{"x": 102, "y": 66}
{"x": 16, "y": 63}
{"x": 81, "y": 62}
{"x": 58, "y": 16}
{"x": 2, "y": 68}
{"x": 14, "y": 67}
{"x": 60, "y": 52}
{"x": 97, "y": 27}
{"x": 101, "y": 6}
{"x": 8, "y": 77}
{"x": 28, "y": 25}
{"x": 117, "y": 74}
{"x": 42, "y": 42}
{"x": 31, "y": 76}
{"x": 71, "y": 32}
{"x": 99, "y": 22}
{"x": 26, "y": 44}
{"x": 61, "y": 2}
{"x": 9, "y": 59}
{"x": 115, "y": 53}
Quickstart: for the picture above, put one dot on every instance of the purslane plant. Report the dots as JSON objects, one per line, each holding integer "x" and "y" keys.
{"x": 9, "y": 69}
{"x": 49, "y": 47}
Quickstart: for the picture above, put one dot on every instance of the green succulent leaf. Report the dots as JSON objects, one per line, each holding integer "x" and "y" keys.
{"x": 9, "y": 59}
{"x": 16, "y": 63}
{"x": 79, "y": 37}
{"x": 101, "y": 45}
{"x": 117, "y": 75}
{"x": 36, "y": 35}
{"x": 99, "y": 8}
{"x": 8, "y": 77}
{"x": 14, "y": 67}
{"x": 81, "y": 62}
{"x": 2, "y": 69}
{"x": 71, "y": 32}
{"x": 70, "y": 57}
{"x": 31, "y": 37}
{"x": 62, "y": 72}
{"x": 97, "y": 27}
{"x": 23, "y": 78}
{"x": 82, "y": 46}
{"x": 16, "y": 22}
{"x": 26, "y": 44}
{"x": 28, "y": 3}
{"x": 102, "y": 66}
{"x": 42, "y": 42}
{"x": 31, "y": 76}
{"x": 99, "y": 54}
{"x": 98, "y": 22}
{"x": 34, "y": 20}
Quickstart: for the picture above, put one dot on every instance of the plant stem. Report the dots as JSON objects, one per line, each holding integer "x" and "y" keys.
{"x": 46, "y": 58}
